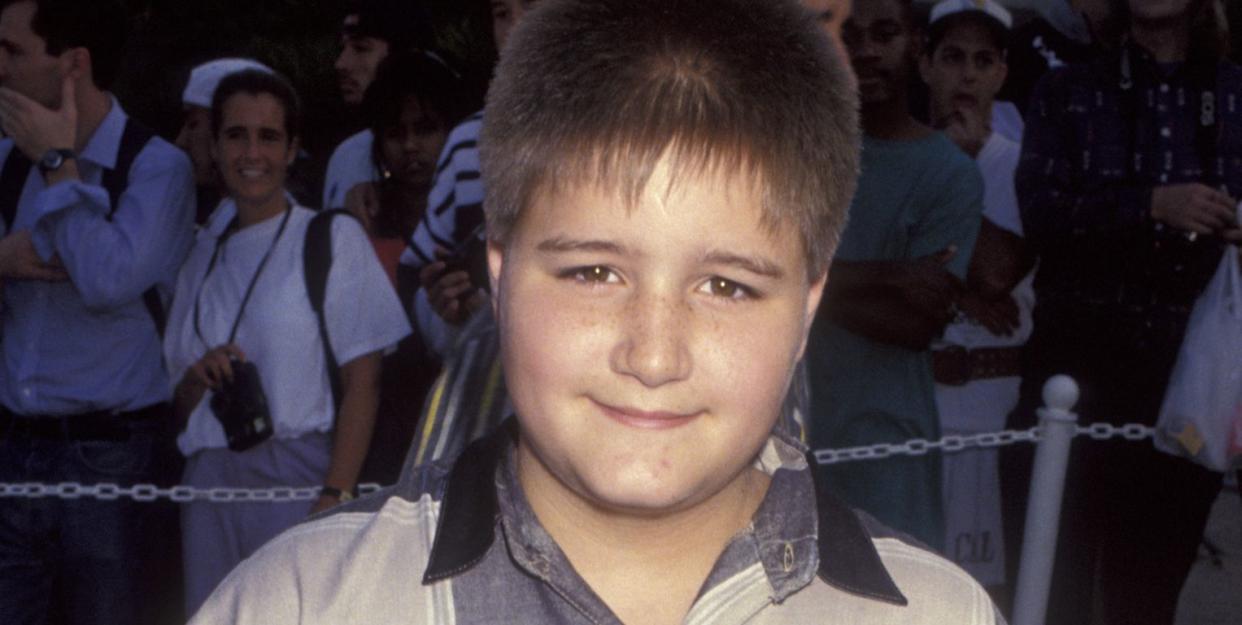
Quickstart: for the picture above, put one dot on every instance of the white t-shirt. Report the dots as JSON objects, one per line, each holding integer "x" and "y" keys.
{"x": 1007, "y": 121}
{"x": 997, "y": 161}
{"x": 349, "y": 165}
{"x": 279, "y": 332}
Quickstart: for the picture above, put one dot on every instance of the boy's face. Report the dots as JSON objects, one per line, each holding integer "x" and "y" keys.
{"x": 880, "y": 41}
{"x": 647, "y": 351}
{"x": 964, "y": 72}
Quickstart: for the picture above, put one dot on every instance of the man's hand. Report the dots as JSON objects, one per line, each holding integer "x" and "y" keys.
{"x": 1000, "y": 317}
{"x": 35, "y": 129}
{"x": 1197, "y": 208}
{"x": 926, "y": 286}
{"x": 966, "y": 128}
{"x": 451, "y": 294}
{"x": 363, "y": 202}
{"x": 20, "y": 261}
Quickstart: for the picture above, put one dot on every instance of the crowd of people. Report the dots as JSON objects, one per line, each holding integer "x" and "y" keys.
{"x": 1039, "y": 196}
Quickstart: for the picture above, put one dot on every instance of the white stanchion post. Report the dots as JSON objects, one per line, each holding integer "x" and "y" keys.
{"x": 1043, "y": 510}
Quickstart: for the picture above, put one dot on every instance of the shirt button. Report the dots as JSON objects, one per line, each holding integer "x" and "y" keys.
{"x": 1164, "y": 88}
{"x": 26, "y": 392}
{"x": 1165, "y": 132}
{"x": 1164, "y": 177}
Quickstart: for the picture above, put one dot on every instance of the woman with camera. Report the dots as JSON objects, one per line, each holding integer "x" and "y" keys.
{"x": 260, "y": 399}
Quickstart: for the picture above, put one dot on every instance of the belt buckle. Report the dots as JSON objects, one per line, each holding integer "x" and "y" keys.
{"x": 951, "y": 365}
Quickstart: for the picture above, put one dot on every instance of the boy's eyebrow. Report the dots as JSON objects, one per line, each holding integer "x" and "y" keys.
{"x": 753, "y": 264}
{"x": 561, "y": 244}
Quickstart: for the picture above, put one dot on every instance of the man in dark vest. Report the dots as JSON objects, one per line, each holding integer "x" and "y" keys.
{"x": 98, "y": 217}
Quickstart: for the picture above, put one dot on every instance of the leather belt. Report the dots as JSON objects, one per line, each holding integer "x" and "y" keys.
{"x": 100, "y": 425}
{"x": 955, "y": 365}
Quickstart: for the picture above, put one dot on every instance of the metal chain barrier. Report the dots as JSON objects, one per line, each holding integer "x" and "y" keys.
{"x": 958, "y": 442}
{"x": 183, "y": 494}
{"x": 179, "y": 494}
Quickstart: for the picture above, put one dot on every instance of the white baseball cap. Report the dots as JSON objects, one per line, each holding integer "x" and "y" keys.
{"x": 206, "y": 77}
{"x": 990, "y": 8}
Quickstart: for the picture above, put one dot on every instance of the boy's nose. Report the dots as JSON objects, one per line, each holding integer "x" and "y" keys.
{"x": 654, "y": 346}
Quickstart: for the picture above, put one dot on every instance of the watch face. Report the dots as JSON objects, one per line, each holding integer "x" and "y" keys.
{"x": 54, "y": 158}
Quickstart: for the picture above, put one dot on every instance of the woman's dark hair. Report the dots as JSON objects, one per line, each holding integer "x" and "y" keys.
{"x": 420, "y": 74}
{"x": 256, "y": 82}
{"x": 438, "y": 89}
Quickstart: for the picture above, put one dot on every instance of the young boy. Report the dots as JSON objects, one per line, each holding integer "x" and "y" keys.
{"x": 664, "y": 193}
{"x": 977, "y": 361}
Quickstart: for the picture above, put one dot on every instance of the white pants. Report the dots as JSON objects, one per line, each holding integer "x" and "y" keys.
{"x": 972, "y": 507}
{"x": 215, "y": 537}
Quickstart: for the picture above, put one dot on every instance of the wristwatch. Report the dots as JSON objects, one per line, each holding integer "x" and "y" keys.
{"x": 338, "y": 494}
{"x": 54, "y": 158}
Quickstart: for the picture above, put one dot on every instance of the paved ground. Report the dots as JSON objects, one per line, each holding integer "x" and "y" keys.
{"x": 1213, "y": 591}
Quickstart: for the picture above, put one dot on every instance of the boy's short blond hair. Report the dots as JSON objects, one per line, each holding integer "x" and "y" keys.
{"x": 598, "y": 91}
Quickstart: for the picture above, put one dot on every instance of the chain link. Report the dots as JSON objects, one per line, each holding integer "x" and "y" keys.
{"x": 951, "y": 443}
{"x": 150, "y": 492}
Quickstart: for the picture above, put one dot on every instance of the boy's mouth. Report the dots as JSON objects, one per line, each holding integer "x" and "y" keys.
{"x": 646, "y": 419}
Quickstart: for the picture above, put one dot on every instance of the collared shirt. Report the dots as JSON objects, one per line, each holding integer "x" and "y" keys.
{"x": 1095, "y": 148}
{"x": 460, "y": 544}
{"x": 90, "y": 343}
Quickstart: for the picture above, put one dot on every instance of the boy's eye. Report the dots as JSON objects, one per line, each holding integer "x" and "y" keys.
{"x": 595, "y": 274}
{"x": 728, "y": 289}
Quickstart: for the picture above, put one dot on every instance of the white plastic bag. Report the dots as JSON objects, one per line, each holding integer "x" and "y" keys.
{"x": 1201, "y": 416}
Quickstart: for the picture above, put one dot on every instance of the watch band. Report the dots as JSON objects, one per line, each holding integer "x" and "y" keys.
{"x": 338, "y": 494}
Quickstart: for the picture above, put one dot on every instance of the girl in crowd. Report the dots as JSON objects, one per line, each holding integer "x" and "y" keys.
{"x": 254, "y": 386}
{"x": 413, "y": 103}
{"x": 410, "y": 107}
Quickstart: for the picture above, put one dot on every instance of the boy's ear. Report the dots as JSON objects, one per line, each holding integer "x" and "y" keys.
{"x": 813, "y": 298}
{"x": 495, "y": 263}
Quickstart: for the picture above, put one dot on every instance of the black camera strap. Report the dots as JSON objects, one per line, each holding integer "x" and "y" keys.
{"x": 211, "y": 265}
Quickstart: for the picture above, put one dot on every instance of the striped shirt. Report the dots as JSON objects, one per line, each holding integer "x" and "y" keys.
{"x": 455, "y": 203}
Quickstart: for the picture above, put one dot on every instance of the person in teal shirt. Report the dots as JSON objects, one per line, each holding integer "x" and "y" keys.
{"x": 893, "y": 284}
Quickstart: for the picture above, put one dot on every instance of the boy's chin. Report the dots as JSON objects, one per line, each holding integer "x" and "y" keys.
{"x": 652, "y": 498}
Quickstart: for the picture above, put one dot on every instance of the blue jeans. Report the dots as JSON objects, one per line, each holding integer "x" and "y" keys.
{"x": 81, "y": 561}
